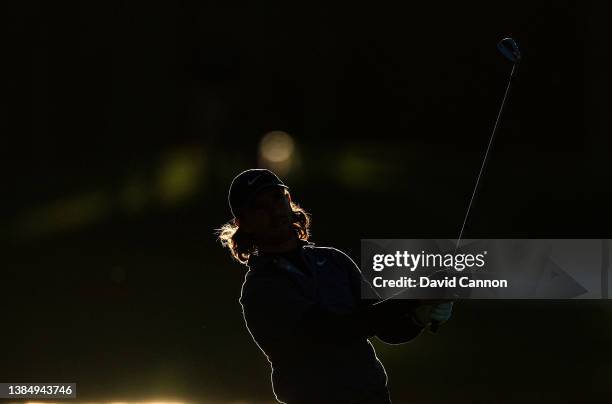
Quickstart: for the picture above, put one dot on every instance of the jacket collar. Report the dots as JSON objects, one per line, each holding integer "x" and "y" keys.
{"x": 258, "y": 261}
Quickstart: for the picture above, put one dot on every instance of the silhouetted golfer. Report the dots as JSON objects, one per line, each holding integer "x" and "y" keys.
{"x": 302, "y": 304}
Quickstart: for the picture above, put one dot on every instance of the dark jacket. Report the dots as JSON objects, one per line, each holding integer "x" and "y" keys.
{"x": 314, "y": 330}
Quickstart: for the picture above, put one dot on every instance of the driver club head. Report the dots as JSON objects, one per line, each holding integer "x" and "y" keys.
{"x": 509, "y": 49}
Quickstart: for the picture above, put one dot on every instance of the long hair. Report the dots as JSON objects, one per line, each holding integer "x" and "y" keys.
{"x": 241, "y": 245}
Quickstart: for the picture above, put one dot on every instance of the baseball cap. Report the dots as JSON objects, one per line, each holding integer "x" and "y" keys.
{"x": 247, "y": 184}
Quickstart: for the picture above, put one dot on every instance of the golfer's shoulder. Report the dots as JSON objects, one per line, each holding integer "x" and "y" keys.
{"x": 260, "y": 284}
{"x": 263, "y": 276}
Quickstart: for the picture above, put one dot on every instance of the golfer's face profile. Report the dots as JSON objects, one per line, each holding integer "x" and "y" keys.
{"x": 269, "y": 214}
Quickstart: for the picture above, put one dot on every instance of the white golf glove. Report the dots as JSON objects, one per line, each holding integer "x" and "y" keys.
{"x": 424, "y": 315}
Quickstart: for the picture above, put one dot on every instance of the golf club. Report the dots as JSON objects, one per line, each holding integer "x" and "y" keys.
{"x": 510, "y": 50}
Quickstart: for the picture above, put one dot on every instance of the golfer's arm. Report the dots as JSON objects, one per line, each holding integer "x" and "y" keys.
{"x": 319, "y": 324}
{"x": 398, "y": 330}
{"x": 390, "y": 320}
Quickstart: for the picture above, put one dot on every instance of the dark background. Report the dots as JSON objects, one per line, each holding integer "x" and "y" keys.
{"x": 126, "y": 121}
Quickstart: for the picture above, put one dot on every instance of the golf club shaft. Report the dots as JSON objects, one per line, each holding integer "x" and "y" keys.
{"x": 433, "y": 328}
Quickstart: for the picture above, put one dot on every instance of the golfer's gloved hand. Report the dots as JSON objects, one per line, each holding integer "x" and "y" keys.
{"x": 424, "y": 315}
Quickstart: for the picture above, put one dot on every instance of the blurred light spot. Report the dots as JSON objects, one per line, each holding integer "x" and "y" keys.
{"x": 276, "y": 146}
{"x": 277, "y": 152}
{"x": 65, "y": 214}
{"x": 163, "y": 402}
{"x": 357, "y": 171}
{"x": 111, "y": 402}
{"x": 142, "y": 402}
{"x": 180, "y": 175}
